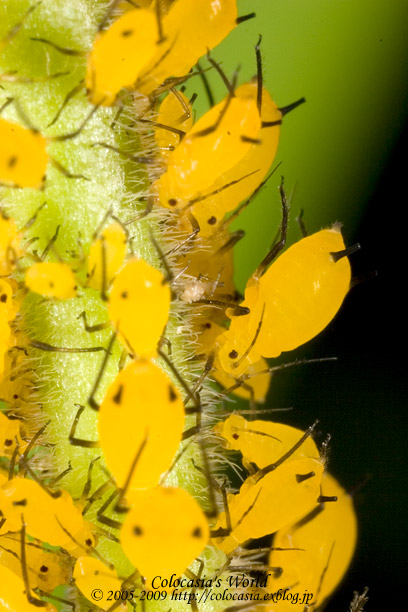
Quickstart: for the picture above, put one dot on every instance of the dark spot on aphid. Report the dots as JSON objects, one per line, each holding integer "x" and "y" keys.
{"x": 8, "y": 442}
{"x": 51, "y": 283}
{"x": 172, "y": 202}
{"x": 96, "y": 573}
{"x": 126, "y": 33}
{"x": 12, "y": 161}
{"x": 88, "y": 542}
{"x": 3, "y": 298}
{"x": 197, "y": 533}
{"x": 76, "y": 287}
{"x": 44, "y": 569}
{"x": 15, "y": 396}
{"x": 137, "y": 531}
{"x": 207, "y": 325}
{"x": 172, "y": 394}
{"x": 21, "y": 502}
{"x": 302, "y": 477}
{"x": 124, "y": 295}
{"x": 117, "y": 398}
{"x": 235, "y": 436}
{"x": 233, "y": 354}
{"x": 212, "y": 220}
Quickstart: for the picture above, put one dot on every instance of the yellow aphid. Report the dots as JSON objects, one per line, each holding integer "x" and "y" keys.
{"x": 46, "y": 569}
{"x": 175, "y": 112}
{"x": 11, "y": 432}
{"x": 264, "y": 442}
{"x": 119, "y": 54}
{"x": 205, "y": 154}
{"x": 191, "y": 28}
{"x": 13, "y": 597}
{"x": 292, "y": 302}
{"x": 51, "y": 280}
{"x": 91, "y": 574}
{"x": 263, "y": 507}
{"x": 163, "y": 532}
{"x": 141, "y": 404}
{"x": 106, "y": 256}
{"x": 55, "y": 520}
{"x": 139, "y": 306}
{"x": 9, "y": 245}
{"x": 325, "y": 541}
{"x": 23, "y": 156}
{"x": 255, "y": 388}
{"x": 240, "y": 181}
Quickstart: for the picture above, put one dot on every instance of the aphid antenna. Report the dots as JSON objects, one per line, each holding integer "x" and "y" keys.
{"x": 194, "y": 398}
{"x": 206, "y": 84}
{"x": 301, "y": 224}
{"x": 75, "y": 133}
{"x": 270, "y": 468}
{"x": 52, "y": 597}
{"x": 98, "y": 493}
{"x": 71, "y": 94}
{"x": 31, "y": 444}
{"x": 60, "y": 476}
{"x": 91, "y": 400}
{"x": 225, "y": 80}
{"x": 244, "y": 205}
{"x": 169, "y": 274}
{"x": 137, "y": 159}
{"x": 50, "y": 244}
{"x": 105, "y": 520}
{"x": 219, "y": 190}
{"x": 263, "y": 266}
{"x": 213, "y": 127}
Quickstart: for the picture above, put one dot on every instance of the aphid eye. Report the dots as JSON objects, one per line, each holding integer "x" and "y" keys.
{"x": 207, "y": 325}
{"x": 235, "y": 436}
{"x": 15, "y": 396}
{"x": 51, "y": 285}
{"x": 126, "y": 33}
{"x": 124, "y": 295}
{"x": 212, "y": 220}
{"x": 88, "y": 542}
{"x": 197, "y": 533}
{"x": 12, "y": 161}
{"x": 137, "y": 531}
{"x": 172, "y": 202}
{"x": 44, "y": 569}
{"x": 8, "y": 442}
{"x": 3, "y": 298}
{"x": 233, "y": 354}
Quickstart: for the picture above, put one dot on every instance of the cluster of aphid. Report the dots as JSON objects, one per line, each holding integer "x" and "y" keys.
{"x": 208, "y": 169}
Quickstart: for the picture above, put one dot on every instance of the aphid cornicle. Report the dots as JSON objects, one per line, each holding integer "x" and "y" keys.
{"x": 292, "y": 302}
{"x": 164, "y": 532}
{"x": 323, "y": 541}
{"x": 141, "y": 403}
{"x": 51, "y": 280}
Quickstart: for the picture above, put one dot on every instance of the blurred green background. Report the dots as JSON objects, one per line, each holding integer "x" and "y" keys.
{"x": 344, "y": 153}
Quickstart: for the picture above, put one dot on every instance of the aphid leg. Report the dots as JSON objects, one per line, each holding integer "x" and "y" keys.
{"x": 263, "y": 266}
{"x": 233, "y": 239}
{"x": 123, "y": 490}
{"x": 122, "y": 361}
{"x": 75, "y": 133}
{"x": 169, "y": 274}
{"x": 92, "y": 328}
{"x": 159, "y": 20}
{"x": 51, "y": 597}
{"x": 63, "y": 50}
{"x": 61, "y": 475}
{"x": 238, "y": 311}
{"x": 301, "y": 224}
{"x": 50, "y": 244}
{"x": 105, "y": 520}
{"x": 17, "y": 27}
{"x": 33, "y": 475}
{"x": 212, "y": 193}
{"x": 88, "y": 483}
{"x": 30, "y": 445}
{"x": 88, "y": 549}
{"x": 91, "y": 400}
{"x": 43, "y": 346}
{"x": 224, "y": 78}
{"x": 167, "y": 343}
{"x": 66, "y": 172}
{"x": 34, "y": 217}
{"x": 79, "y": 441}
{"x": 97, "y": 494}
{"x": 32, "y": 600}
{"x": 206, "y": 85}
{"x": 191, "y": 396}
{"x": 71, "y": 94}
